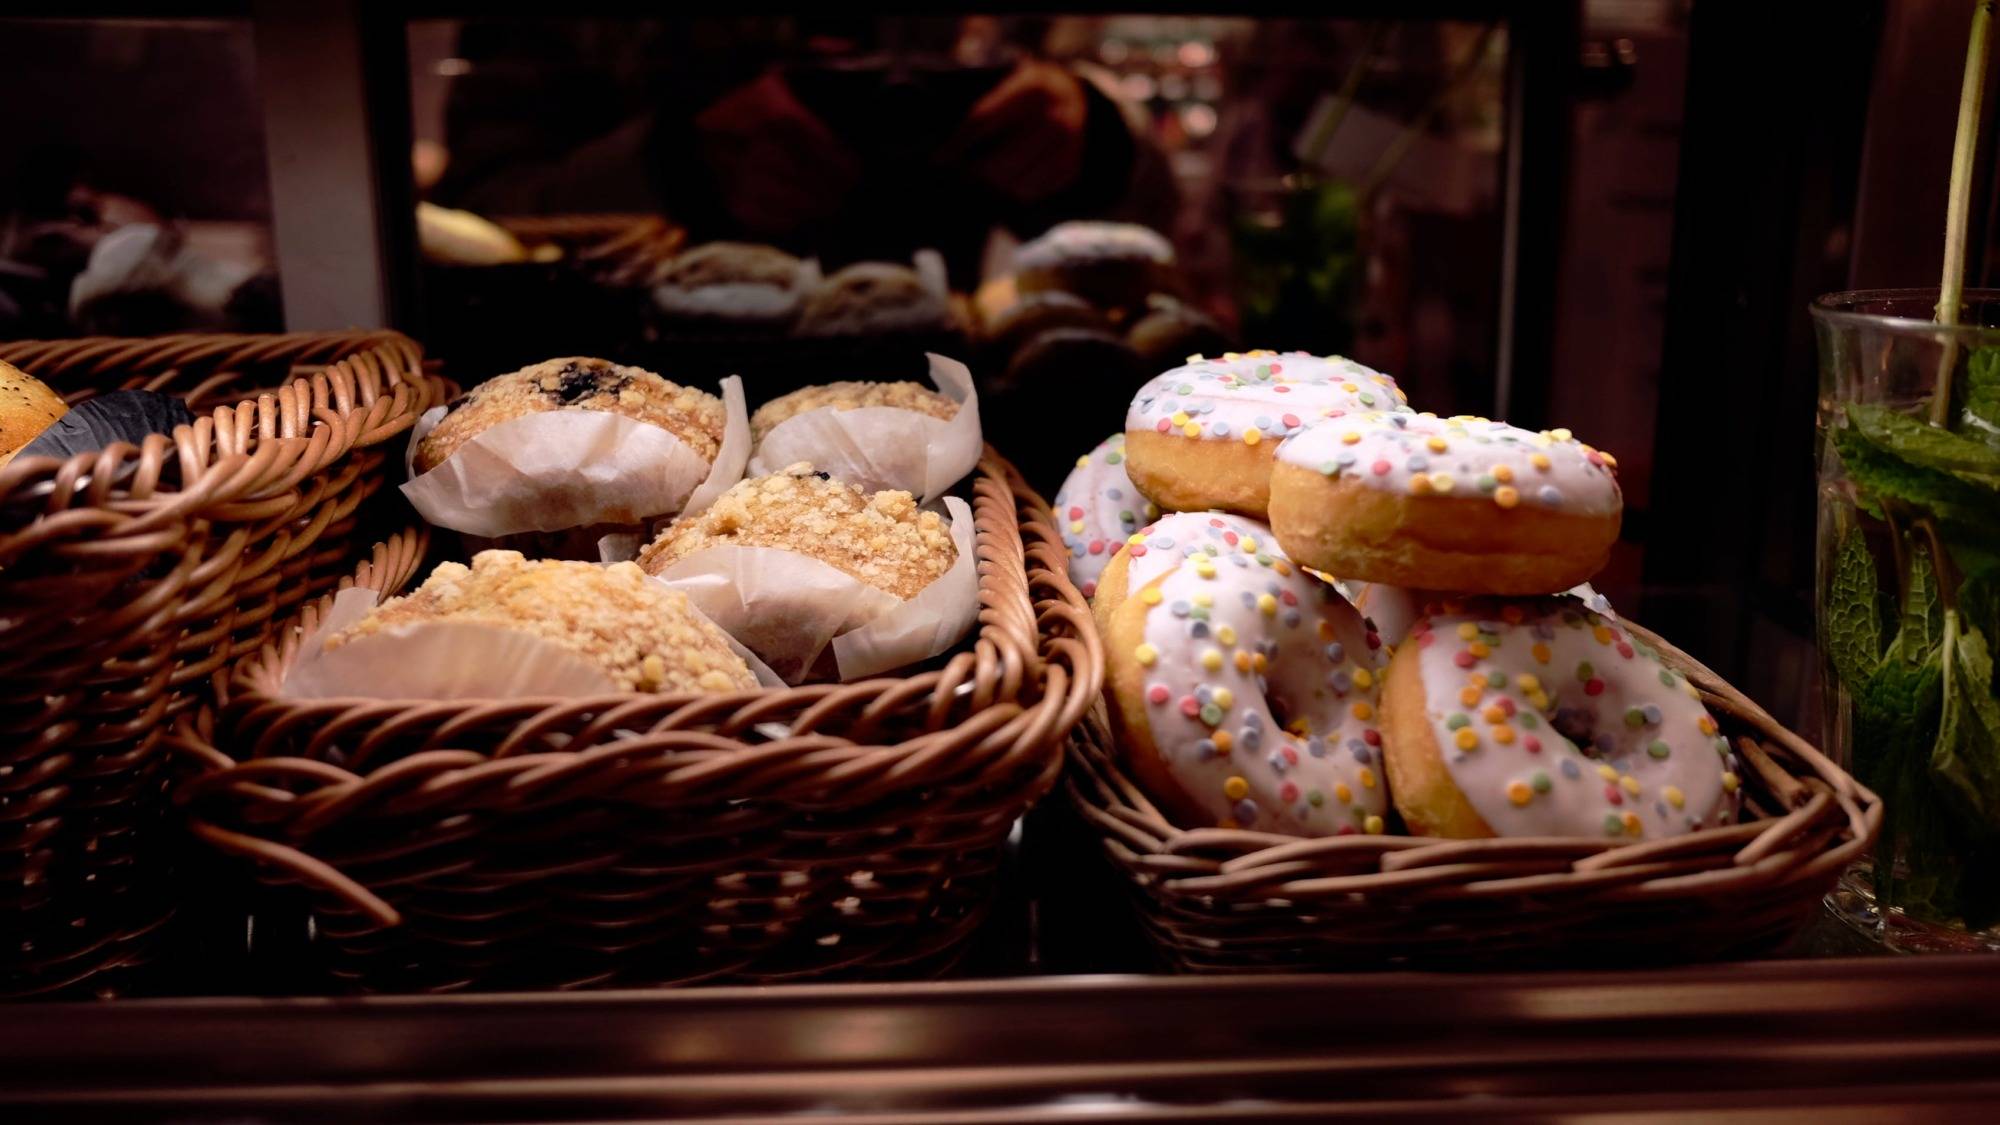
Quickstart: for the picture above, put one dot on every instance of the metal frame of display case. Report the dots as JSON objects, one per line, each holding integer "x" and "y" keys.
{"x": 1843, "y": 1041}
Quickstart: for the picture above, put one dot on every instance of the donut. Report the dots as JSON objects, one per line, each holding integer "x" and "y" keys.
{"x": 1244, "y": 690}
{"x": 643, "y": 636}
{"x": 1111, "y": 265}
{"x": 577, "y": 383}
{"x": 1203, "y": 435}
{"x": 1098, "y": 509}
{"x": 882, "y": 539}
{"x": 849, "y": 395}
{"x": 1538, "y": 717}
{"x": 1391, "y": 610}
{"x": 1015, "y": 326}
{"x": 1444, "y": 503}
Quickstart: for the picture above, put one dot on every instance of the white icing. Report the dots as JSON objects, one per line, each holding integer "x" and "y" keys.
{"x": 1226, "y": 596}
{"x": 1097, "y": 507}
{"x": 1258, "y": 396}
{"x": 1393, "y": 609}
{"x": 1085, "y": 240}
{"x": 1463, "y": 457}
{"x": 1644, "y": 724}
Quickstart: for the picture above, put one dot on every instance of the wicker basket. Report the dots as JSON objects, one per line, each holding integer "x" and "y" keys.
{"x": 1216, "y": 900}
{"x": 129, "y": 577}
{"x": 830, "y": 829}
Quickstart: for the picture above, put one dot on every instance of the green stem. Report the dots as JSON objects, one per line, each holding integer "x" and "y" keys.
{"x": 1958, "y": 208}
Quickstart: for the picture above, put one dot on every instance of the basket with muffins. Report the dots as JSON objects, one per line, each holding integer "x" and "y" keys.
{"x": 164, "y": 503}
{"x": 770, "y": 726}
{"x": 1487, "y": 766}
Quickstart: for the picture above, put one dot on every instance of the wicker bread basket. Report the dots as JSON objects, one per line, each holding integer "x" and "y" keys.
{"x": 128, "y": 577}
{"x": 829, "y": 829}
{"x": 1216, "y": 900}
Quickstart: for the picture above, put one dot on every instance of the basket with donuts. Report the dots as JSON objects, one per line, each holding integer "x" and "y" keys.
{"x": 1361, "y": 706}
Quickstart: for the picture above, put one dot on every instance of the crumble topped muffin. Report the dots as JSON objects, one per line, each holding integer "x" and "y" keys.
{"x": 644, "y": 636}
{"x": 883, "y": 539}
{"x": 578, "y": 383}
{"x": 850, "y": 395}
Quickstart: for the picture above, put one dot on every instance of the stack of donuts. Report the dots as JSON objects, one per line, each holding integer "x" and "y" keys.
{"x": 1327, "y": 614}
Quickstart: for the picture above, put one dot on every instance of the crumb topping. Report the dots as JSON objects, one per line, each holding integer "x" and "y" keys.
{"x": 850, "y": 396}
{"x": 883, "y": 539}
{"x": 644, "y": 636}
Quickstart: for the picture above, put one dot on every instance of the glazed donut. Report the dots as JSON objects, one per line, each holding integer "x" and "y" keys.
{"x": 1537, "y": 717}
{"x": 1244, "y": 689}
{"x": 1097, "y": 509}
{"x": 1391, "y": 610}
{"x": 1202, "y": 436}
{"x": 1445, "y": 503}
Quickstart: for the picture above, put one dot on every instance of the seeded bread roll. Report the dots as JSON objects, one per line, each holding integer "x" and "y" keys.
{"x": 578, "y": 383}
{"x": 850, "y": 396}
{"x": 882, "y": 539}
{"x": 644, "y": 636}
{"x": 27, "y": 407}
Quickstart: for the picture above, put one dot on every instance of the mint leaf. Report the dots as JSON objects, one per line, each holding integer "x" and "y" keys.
{"x": 1895, "y": 725}
{"x": 1853, "y": 620}
{"x": 1965, "y": 759}
{"x": 1923, "y": 444}
{"x": 1881, "y": 475}
{"x": 1982, "y": 386}
{"x": 1922, "y": 630}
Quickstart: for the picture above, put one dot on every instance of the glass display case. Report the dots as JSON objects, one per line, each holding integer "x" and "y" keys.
{"x": 1555, "y": 214}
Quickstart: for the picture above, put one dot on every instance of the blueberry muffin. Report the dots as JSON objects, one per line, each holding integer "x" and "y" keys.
{"x": 883, "y": 539}
{"x": 641, "y": 634}
{"x": 578, "y": 383}
{"x": 875, "y": 298}
{"x": 848, "y": 395}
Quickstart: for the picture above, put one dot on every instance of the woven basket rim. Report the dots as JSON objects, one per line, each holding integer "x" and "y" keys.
{"x": 1825, "y": 820}
{"x": 369, "y": 386}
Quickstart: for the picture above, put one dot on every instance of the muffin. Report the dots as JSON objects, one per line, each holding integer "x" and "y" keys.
{"x": 733, "y": 286}
{"x": 882, "y": 539}
{"x": 850, "y": 395}
{"x": 27, "y": 407}
{"x": 578, "y": 383}
{"x": 643, "y": 636}
{"x": 1112, "y": 265}
{"x": 874, "y": 298}
{"x": 1171, "y": 331}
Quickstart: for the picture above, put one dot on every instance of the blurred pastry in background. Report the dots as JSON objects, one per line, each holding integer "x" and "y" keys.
{"x": 876, "y": 298}
{"x": 1172, "y": 330}
{"x": 734, "y": 286}
{"x": 1115, "y": 266}
{"x": 461, "y": 238}
{"x": 1012, "y": 327}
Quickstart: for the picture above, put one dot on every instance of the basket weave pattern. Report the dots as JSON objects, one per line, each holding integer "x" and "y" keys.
{"x": 763, "y": 836}
{"x": 1217, "y": 900}
{"x": 128, "y": 578}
